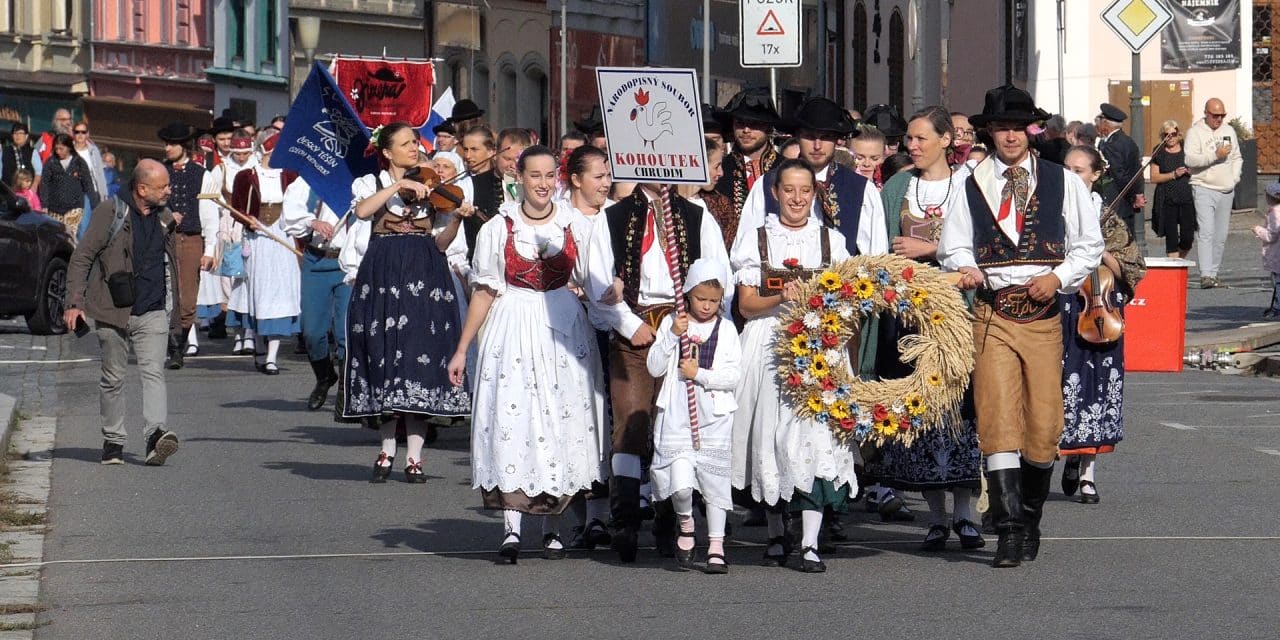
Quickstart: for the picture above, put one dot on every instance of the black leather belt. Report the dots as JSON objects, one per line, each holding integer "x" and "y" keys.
{"x": 1014, "y": 303}
{"x": 322, "y": 253}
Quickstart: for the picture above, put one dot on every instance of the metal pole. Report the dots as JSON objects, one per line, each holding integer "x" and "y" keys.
{"x": 821, "y": 53}
{"x": 773, "y": 87}
{"x": 564, "y": 68}
{"x": 1062, "y": 52}
{"x": 1136, "y": 131}
{"x": 917, "y": 92}
{"x": 706, "y": 52}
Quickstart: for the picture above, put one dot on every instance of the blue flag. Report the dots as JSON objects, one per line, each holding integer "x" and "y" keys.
{"x": 324, "y": 141}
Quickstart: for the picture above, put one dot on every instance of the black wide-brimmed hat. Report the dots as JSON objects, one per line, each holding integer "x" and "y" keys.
{"x": 1008, "y": 104}
{"x": 714, "y": 121}
{"x": 465, "y": 109}
{"x": 222, "y": 124}
{"x": 593, "y": 123}
{"x": 753, "y": 104}
{"x": 886, "y": 118}
{"x": 821, "y": 114}
{"x": 177, "y": 132}
{"x": 445, "y": 127}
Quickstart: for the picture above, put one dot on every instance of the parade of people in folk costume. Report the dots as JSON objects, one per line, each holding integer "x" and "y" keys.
{"x": 625, "y": 351}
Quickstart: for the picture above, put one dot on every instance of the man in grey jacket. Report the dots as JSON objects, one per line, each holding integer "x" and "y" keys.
{"x": 122, "y": 276}
{"x": 1213, "y": 156}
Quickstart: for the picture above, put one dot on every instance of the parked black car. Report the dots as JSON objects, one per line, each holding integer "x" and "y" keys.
{"x": 34, "y": 251}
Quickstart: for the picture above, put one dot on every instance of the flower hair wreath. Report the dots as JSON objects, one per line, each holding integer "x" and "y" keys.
{"x": 813, "y": 347}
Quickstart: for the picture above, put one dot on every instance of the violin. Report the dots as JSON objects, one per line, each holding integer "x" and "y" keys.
{"x": 443, "y": 196}
{"x": 1100, "y": 320}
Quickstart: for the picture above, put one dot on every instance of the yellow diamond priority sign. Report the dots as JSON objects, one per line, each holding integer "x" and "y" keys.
{"x": 1137, "y": 21}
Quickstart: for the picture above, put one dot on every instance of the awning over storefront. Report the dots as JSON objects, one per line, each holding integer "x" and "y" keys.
{"x": 132, "y": 125}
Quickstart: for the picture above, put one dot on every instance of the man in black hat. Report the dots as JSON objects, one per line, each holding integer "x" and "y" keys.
{"x": 593, "y": 127}
{"x": 886, "y": 118}
{"x": 222, "y": 129}
{"x": 713, "y": 126}
{"x": 195, "y": 237}
{"x": 752, "y": 117}
{"x": 1124, "y": 161}
{"x": 845, "y": 200}
{"x": 446, "y": 136}
{"x": 1025, "y": 231}
{"x": 466, "y": 114}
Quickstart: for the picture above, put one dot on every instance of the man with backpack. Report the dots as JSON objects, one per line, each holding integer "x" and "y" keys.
{"x": 123, "y": 277}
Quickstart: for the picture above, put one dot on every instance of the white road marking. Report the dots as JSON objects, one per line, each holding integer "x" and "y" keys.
{"x": 1270, "y": 452}
{"x": 471, "y": 552}
{"x": 1188, "y": 427}
{"x": 1180, "y": 427}
{"x": 81, "y": 360}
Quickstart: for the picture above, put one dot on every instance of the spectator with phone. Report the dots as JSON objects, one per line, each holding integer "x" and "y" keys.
{"x": 1213, "y": 157}
{"x": 122, "y": 277}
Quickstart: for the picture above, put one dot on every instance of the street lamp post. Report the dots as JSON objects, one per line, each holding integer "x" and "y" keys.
{"x": 308, "y": 37}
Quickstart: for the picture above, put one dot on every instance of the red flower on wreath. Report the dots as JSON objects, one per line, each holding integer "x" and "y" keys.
{"x": 904, "y": 425}
{"x": 846, "y": 290}
{"x": 815, "y": 302}
{"x": 791, "y": 263}
{"x": 847, "y": 424}
{"x": 828, "y": 384}
{"x": 796, "y": 328}
{"x": 830, "y": 340}
{"x": 794, "y": 380}
{"x": 889, "y": 295}
{"x": 879, "y": 412}
{"x": 908, "y": 273}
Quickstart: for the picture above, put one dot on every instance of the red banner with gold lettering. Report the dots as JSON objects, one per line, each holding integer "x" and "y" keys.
{"x": 386, "y": 91}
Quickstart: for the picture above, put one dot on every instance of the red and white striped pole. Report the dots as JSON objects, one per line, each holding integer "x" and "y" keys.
{"x": 677, "y": 278}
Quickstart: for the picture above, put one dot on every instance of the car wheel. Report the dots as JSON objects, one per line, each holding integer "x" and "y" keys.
{"x": 47, "y": 318}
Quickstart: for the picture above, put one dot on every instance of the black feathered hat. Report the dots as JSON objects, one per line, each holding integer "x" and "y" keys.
{"x": 465, "y": 109}
{"x": 751, "y": 104}
{"x": 1008, "y": 104}
{"x": 821, "y": 114}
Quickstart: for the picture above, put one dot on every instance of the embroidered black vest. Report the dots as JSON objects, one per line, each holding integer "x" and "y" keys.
{"x": 848, "y": 188}
{"x": 485, "y": 200}
{"x": 1044, "y": 230}
{"x": 626, "y": 220}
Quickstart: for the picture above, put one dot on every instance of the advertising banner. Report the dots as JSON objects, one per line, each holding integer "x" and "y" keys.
{"x": 1204, "y": 36}
{"x": 386, "y": 91}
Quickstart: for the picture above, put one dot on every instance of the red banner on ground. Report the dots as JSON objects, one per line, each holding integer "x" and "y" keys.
{"x": 386, "y": 91}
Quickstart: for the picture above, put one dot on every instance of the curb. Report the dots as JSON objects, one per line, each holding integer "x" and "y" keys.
{"x": 8, "y": 413}
{"x": 1248, "y": 337}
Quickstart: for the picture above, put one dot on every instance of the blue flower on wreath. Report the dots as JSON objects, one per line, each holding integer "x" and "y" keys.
{"x": 829, "y": 299}
{"x": 815, "y": 344}
{"x": 883, "y": 276}
{"x": 843, "y": 392}
{"x": 916, "y": 422}
{"x": 904, "y": 305}
{"x": 862, "y": 431}
{"x": 802, "y": 362}
{"x": 822, "y": 417}
{"x": 867, "y": 306}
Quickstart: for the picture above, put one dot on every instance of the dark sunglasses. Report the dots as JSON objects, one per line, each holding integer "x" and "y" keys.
{"x": 81, "y": 131}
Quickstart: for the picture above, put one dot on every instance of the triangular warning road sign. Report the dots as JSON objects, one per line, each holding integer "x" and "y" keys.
{"x": 770, "y": 26}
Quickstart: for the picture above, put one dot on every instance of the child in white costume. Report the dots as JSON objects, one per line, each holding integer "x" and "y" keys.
{"x": 678, "y": 469}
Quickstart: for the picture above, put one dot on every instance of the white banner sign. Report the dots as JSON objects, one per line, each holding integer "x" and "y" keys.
{"x": 653, "y": 121}
{"x": 769, "y": 31}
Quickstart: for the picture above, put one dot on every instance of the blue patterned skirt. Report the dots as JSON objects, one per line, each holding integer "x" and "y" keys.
{"x": 1092, "y": 388}
{"x": 402, "y": 328}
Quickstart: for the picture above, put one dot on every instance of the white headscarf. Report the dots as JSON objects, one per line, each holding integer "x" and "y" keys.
{"x": 704, "y": 269}
{"x": 456, "y": 159}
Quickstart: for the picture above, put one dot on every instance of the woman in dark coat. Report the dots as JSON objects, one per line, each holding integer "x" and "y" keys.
{"x": 64, "y": 184}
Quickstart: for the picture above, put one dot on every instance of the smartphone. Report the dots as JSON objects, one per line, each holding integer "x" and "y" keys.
{"x": 81, "y": 328}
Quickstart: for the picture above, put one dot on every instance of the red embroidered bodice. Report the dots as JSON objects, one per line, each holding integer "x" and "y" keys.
{"x": 540, "y": 274}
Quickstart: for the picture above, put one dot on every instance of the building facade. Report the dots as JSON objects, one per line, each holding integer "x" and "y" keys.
{"x": 251, "y": 58}
{"x": 44, "y": 55}
{"x": 148, "y": 69}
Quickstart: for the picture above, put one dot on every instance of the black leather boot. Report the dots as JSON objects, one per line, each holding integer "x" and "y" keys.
{"x": 326, "y": 377}
{"x": 1004, "y": 488}
{"x": 665, "y": 526}
{"x": 177, "y": 351}
{"x": 1035, "y": 490}
{"x": 624, "y": 506}
{"x": 218, "y": 328}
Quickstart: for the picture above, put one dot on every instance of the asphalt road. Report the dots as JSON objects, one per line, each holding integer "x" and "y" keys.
{"x": 1184, "y": 544}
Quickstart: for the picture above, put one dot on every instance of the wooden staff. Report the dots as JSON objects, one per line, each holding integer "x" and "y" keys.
{"x": 252, "y": 223}
{"x": 677, "y": 279}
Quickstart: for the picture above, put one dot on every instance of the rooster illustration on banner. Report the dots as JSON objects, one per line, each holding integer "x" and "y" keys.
{"x": 651, "y": 122}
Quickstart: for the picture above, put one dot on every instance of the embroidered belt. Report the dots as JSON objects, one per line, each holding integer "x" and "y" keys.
{"x": 1016, "y": 304}
{"x": 653, "y": 314}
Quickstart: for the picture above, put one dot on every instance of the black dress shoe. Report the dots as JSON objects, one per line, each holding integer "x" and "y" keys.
{"x": 510, "y": 550}
{"x": 974, "y": 541}
{"x": 684, "y": 559}
{"x": 716, "y": 568}
{"x": 1071, "y": 475}
{"x": 936, "y": 539}
{"x": 596, "y": 535}
{"x": 811, "y": 566}
{"x": 413, "y": 473}
{"x": 271, "y": 369}
{"x": 779, "y": 560}
{"x": 549, "y": 552}
{"x": 1087, "y": 497}
{"x": 381, "y": 471}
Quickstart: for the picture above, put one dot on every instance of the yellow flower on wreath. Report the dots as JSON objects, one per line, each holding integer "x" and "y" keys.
{"x": 815, "y": 403}
{"x": 830, "y": 281}
{"x": 800, "y": 345}
{"x": 888, "y": 426}
{"x": 865, "y": 288}
{"x": 937, "y": 318}
{"x": 818, "y": 367}
{"x": 831, "y": 322}
{"x": 934, "y": 380}
{"x": 840, "y": 410}
{"x": 918, "y": 296}
{"x": 915, "y": 404}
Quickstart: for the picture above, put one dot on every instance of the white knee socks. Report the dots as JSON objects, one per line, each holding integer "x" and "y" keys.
{"x": 811, "y": 524}
{"x": 273, "y": 347}
{"x": 388, "y": 433}
{"x": 511, "y": 526}
{"x": 937, "y": 499}
{"x": 1087, "y": 464}
{"x": 626, "y": 464}
{"x": 964, "y": 503}
{"x": 551, "y": 526}
{"x": 416, "y": 435}
{"x": 1004, "y": 460}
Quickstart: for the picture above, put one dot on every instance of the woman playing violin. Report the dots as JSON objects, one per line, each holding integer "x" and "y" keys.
{"x": 403, "y": 323}
{"x": 1093, "y": 374}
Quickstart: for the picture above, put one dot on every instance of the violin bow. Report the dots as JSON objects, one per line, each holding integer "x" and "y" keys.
{"x": 1111, "y": 208}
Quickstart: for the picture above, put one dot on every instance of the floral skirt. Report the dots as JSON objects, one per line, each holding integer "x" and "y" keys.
{"x": 402, "y": 328}
{"x": 1092, "y": 388}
